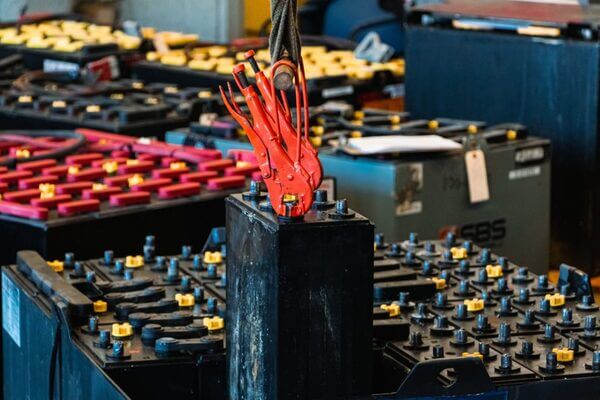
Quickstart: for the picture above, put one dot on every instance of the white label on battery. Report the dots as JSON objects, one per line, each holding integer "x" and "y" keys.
{"x": 409, "y": 208}
{"x": 531, "y": 154}
{"x": 523, "y": 173}
{"x": 11, "y": 318}
{"x": 59, "y": 66}
{"x": 479, "y": 189}
{"x": 337, "y": 92}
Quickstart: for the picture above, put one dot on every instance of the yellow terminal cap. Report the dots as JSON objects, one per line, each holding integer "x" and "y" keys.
{"x": 135, "y": 180}
{"x": 494, "y": 271}
{"x": 134, "y": 261}
{"x": 394, "y": 119}
{"x": 556, "y": 299}
{"x": 23, "y": 153}
{"x": 476, "y": 354}
{"x": 100, "y": 306}
{"x": 472, "y": 129}
{"x": 356, "y": 134}
{"x": 185, "y": 300}
{"x": 99, "y": 186}
{"x": 57, "y": 266}
{"x": 440, "y": 283}
{"x": 122, "y": 330}
{"x": 25, "y": 99}
{"x": 316, "y": 141}
{"x": 131, "y": 162}
{"x": 214, "y": 323}
{"x": 474, "y": 304}
{"x": 110, "y": 167}
{"x": 393, "y": 309}
{"x": 317, "y": 130}
{"x": 459, "y": 253}
{"x": 73, "y": 170}
{"x": 213, "y": 257}
{"x": 93, "y": 108}
{"x": 511, "y": 134}
{"x": 177, "y": 165}
{"x": 433, "y": 124}
{"x": 357, "y": 122}
{"x": 47, "y": 190}
{"x": 563, "y": 354}
{"x": 359, "y": 114}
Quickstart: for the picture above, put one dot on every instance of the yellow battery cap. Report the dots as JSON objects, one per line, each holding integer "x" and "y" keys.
{"x": 121, "y": 330}
{"x": 459, "y": 253}
{"x": 214, "y": 323}
{"x": 100, "y": 306}
{"x": 556, "y": 299}
{"x": 57, "y": 266}
{"x": 440, "y": 283}
{"x": 185, "y": 300}
{"x": 213, "y": 257}
{"x": 134, "y": 261}
{"x": 494, "y": 271}
{"x": 476, "y": 354}
{"x": 474, "y": 304}
{"x": 433, "y": 124}
{"x": 563, "y": 354}
{"x": 393, "y": 309}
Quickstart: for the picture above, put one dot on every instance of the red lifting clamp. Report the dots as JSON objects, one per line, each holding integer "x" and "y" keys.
{"x": 289, "y": 164}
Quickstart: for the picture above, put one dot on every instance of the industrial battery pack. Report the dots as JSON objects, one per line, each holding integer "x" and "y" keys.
{"x": 137, "y": 327}
{"x": 401, "y": 192}
{"x": 55, "y": 44}
{"x": 331, "y": 74}
{"x": 532, "y": 63}
{"x": 61, "y": 101}
{"x": 111, "y": 193}
{"x": 443, "y": 311}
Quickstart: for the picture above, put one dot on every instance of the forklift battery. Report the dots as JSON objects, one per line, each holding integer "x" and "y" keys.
{"x": 401, "y": 192}
{"x": 136, "y": 327}
{"x": 51, "y": 101}
{"x": 55, "y": 44}
{"x": 529, "y": 62}
{"x": 331, "y": 74}
{"x": 111, "y": 192}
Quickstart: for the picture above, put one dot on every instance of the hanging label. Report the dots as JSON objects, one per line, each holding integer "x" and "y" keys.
{"x": 477, "y": 176}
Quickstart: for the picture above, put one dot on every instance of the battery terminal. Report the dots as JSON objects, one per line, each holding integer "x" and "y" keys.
{"x": 59, "y": 104}
{"x": 511, "y": 134}
{"x": 25, "y": 99}
{"x": 73, "y": 170}
{"x": 433, "y": 124}
{"x": 98, "y": 186}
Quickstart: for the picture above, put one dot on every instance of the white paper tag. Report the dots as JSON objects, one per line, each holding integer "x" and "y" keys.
{"x": 479, "y": 189}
